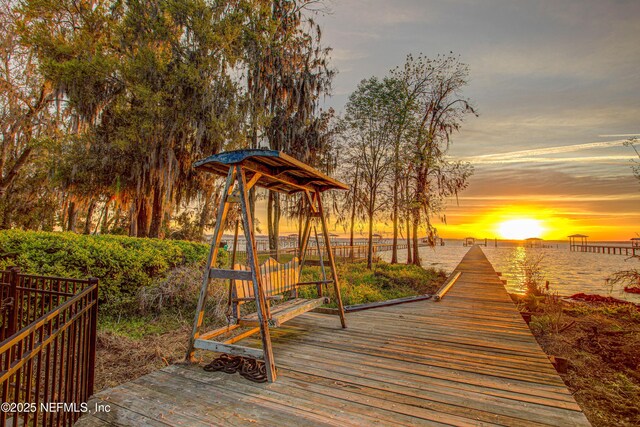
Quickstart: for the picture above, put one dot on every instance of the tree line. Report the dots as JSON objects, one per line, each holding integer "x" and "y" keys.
{"x": 395, "y": 136}
{"x": 106, "y": 104}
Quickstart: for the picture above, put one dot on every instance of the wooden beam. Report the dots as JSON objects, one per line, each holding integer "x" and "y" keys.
{"x": 219, "y": 331}
{"x": 238, "y": 350}
{"x": 387, "y": 303}
{"x": 270, "y": 297}
{"x": 261, "y": 303}
{"x": 314, "y": 282}
{"x": 286, "y": 311}
{"x": 291, "y": 181}
{"x": 223, "y": 209}
{"x": 221, "y": 273}
{"x": 297, "y": 310}
{"x": 445, "y": 288}
{"x": 242, "y": 336}
{"x": 253, "y": 180}
{"x": 310, "y": 200}
{"x": 322, "y": 269}
{"x": 332, "y": 261}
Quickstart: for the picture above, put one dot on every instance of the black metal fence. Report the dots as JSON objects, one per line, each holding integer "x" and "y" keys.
{"x": 48, "y": 348}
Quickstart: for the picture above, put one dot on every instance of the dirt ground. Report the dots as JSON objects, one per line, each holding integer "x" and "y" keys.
{"x": 120, "y": 359}
{"x": 601, "y": 343}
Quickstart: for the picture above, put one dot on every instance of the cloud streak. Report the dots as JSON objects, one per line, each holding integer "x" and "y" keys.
{"x": 528, "y": 154}
{"x": 586, "y": 159}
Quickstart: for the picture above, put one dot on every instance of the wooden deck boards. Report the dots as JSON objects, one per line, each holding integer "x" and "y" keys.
{"x": 466, "y": 360}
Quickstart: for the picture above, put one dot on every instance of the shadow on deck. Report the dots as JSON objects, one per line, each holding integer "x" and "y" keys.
{"x": 467, "y": 360}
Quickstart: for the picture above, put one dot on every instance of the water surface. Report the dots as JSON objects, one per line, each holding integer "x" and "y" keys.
{"x": 568, "y": 272}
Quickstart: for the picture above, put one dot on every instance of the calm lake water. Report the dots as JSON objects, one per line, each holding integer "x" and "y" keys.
{"x": 568, "y": 272}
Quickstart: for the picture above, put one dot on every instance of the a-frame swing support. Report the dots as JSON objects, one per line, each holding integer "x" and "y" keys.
{"x": 279, "y": 172}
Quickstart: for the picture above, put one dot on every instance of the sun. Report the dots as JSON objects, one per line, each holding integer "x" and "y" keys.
{"x": 519, "y": 229}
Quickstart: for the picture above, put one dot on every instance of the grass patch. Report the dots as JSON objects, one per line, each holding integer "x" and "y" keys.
{"x": 359, "y": 285}
{"x": 142, "y": 326}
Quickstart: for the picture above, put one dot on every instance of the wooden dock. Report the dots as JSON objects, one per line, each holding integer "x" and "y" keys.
{"x": 631, "y": 251}
{"x": 467, "y": 360}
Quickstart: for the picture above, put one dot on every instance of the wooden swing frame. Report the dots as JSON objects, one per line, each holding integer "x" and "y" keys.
{"x": 273, "y": 170}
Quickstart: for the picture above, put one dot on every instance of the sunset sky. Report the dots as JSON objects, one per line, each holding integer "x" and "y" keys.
{"x": 557, "y": 85}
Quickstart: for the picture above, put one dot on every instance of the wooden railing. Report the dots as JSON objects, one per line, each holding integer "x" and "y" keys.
{"x": 633, "y": 251}
{"x": 48, "y": 352}
{"x": 341, "y": 253}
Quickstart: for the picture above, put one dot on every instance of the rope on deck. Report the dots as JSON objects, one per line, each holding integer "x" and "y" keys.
{"x": 251, "y": 369}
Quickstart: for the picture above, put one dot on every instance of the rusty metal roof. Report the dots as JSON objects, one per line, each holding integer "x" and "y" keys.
{"x": 279, "y": 171}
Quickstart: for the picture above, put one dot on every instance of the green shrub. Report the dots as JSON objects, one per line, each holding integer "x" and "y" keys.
{"x": 359, "y": 285}
{"x": 531, "y": 267}
{"x": 123, "y": 264}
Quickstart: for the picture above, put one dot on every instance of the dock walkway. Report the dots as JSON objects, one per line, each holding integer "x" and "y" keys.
{"x": 469, "y": 359}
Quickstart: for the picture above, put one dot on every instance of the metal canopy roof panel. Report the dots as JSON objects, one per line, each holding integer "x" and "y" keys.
{"x": 279, "y": 171}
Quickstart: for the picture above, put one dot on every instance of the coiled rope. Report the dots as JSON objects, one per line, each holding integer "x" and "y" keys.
{"x": 251, "y": 369}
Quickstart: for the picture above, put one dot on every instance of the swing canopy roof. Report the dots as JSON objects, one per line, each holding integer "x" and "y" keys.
{"x": 278, "y": 171}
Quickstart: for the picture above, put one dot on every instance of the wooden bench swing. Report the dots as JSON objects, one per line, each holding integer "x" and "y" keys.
{"x": 272, "y": 280}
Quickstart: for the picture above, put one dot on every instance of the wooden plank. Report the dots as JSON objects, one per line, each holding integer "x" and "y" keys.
{"x": 282, "y": 316}
{"x": 221, "y": 273}
{"x": 221, "y": 217}
{"x": 288, "y": 394}
{"x": 285, "y": 311}
{"x": 332, "y": 261}
{"x": 238, "y": 350}
{"x": 445, "y": 288}
{"x": 262, "y": 308}
{"x": 219, "y": 331}
{"x": 242, "y": 336}
{"x": 387, "y": 303}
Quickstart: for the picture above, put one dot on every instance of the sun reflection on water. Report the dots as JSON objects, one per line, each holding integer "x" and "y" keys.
{"x": 568, "y": 272}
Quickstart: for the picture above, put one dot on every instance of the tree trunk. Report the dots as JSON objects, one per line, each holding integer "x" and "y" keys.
{"x": 6, "y": 220}
{"x": 394, "y": 244}
{"x": 115, "y": 221}
{"x": 300, "y": 232}
{"x": 351, "y": 227}
{"x": 370, "y": 242}
{"x": 252, "y": 204}
{"x": 133, "y": 220}
{"x": 407, "y": 218}
{"x": 63, "y": 214}
{"x": 104, "y": 224}
{"x": 72, "y": 216}
{"x": 87, "y": 223}
{"x": 396, "y": 202}
{"x": 142, "y": 217}
{"x": 205, "y": 214}
{"x": 353, "y": 210}
{"x": 416, "y": 225}
{"x": 157, "y": 213}
{"x": 273, "y": 223}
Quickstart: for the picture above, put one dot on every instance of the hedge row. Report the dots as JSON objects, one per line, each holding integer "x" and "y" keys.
{"x": 123, "y": 264}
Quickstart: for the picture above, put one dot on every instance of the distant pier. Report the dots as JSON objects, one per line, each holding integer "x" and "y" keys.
{"x": 605, "y": 249}
{"x": 578, "y": 243}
